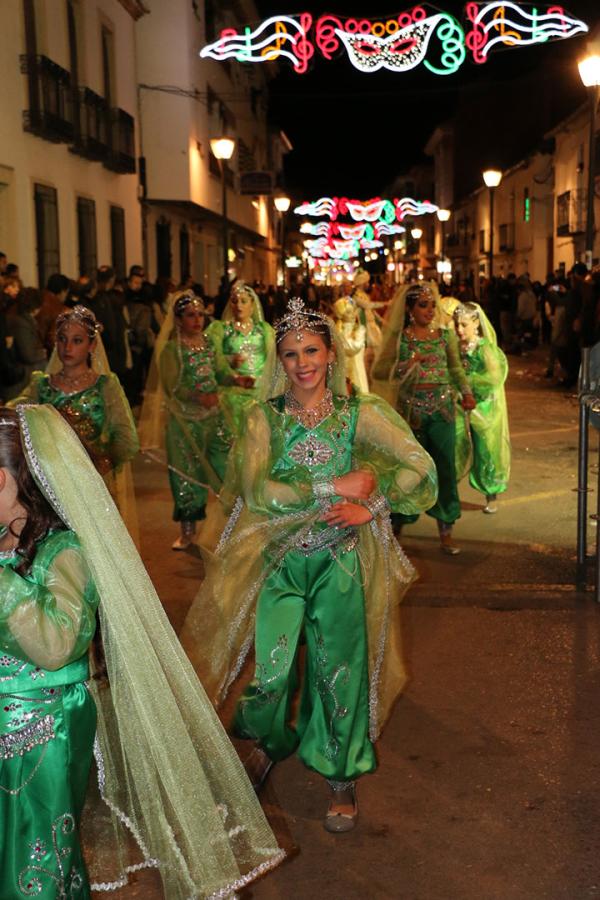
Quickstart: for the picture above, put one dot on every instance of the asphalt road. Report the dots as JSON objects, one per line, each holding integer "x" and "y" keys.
{"x": 488, "y": 785}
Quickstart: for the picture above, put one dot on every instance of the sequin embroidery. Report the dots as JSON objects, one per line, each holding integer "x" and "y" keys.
{"x": 32, "y": 876}
{"x": 327, "y": 686}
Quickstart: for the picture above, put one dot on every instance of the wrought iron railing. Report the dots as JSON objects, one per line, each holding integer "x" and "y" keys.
{"x": 49, "y": 114}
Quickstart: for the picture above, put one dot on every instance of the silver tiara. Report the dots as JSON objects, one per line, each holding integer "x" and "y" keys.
{"x": 299, "y": 319}
{"x": 80, "y": 315}
{"x": 462, "y": 310}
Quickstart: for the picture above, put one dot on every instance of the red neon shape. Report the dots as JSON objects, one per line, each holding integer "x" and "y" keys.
{"x": 475, "y": 39}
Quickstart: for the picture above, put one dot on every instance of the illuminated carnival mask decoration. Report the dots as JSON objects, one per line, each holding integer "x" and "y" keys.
{"x": 375, "y": 210}
{"x": 375, "y": 218}
{"x": 422, "y": 35}
{"x": 403, "y": 49}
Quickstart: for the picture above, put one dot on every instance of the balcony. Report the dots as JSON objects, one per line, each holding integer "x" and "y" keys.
{"x": 121, "y": 130}
{"x": 91, "y": 137}
{"x": 571, "y": 212}
{"x": 50, "y": 112}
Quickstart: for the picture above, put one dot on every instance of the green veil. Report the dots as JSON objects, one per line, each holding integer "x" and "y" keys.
{"x": 176, "y": 791}
{"x": 484, "y": 430}
{"x": 218, "y": 632}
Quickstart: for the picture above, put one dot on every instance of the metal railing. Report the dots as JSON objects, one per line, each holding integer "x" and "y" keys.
{"x": 589, "y": 402}
{"x": 49, "y": 113}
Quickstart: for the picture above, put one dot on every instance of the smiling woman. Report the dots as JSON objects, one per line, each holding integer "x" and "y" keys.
{"x": 309, "y": 549}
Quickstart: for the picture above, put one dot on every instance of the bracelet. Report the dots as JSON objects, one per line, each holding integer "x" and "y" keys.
{"x": 377, "y": 505}
{"x": 323, "y": 489}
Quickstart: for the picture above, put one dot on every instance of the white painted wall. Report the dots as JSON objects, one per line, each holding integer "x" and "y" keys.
{"x": 26, "y": 159}
{"x": 176, "y": 131}
{"x": 571, "y": 167}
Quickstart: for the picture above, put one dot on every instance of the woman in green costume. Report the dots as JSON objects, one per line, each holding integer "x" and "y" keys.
{"x": 309, "y": 548}
{"x": 79, "y": 384}
{"x": 171, "y": 791}
{"x": 241, "y": 341}
{"x": 424, "y": 362}
{"x": 182, "y": 383}
{"x": 487, "y": 425}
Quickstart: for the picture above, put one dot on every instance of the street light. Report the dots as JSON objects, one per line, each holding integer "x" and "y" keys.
{"x": 443, "y": 216}
{"x": 416, "y": 233}
{"x": 282, "y": 204}
{"x": 589, "y": 69}
{"x": 222, "y": 149}
{"x": 492, "y": 178}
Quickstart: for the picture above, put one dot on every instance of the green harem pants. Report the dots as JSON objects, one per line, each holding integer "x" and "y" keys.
{"x": 332, "y": 732}
{"x": 437, "y": 435}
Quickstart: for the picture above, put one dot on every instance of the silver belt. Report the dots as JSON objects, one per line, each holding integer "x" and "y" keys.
{"x": 340, "y": 540}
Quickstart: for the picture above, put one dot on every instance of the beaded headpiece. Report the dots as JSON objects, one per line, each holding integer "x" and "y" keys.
{"x": 299, "y": 319}
{"x": 188, "y": 298}
{"x": 417, "y": 290}
{"x": 240, "y": 287}
{"x": 465, "y": 309}
{"x": 80, "y": 315}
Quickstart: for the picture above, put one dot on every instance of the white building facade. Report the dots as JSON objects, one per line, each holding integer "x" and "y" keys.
{"x": 523, "y": 219}
{"x": 184, "y": 102}
{"x": 571, "y": 162}
{"x": 68, "y": 137}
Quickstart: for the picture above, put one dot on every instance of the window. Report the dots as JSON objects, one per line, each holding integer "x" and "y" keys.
{"x": 86, "y": 232}
{"x": 210, "y": 21}
{"x": 526, "y": 206}
{"x": 46, "y": 232}
{"x": 73, "y": 64}
{"x": 30, "y": 27}
{"x": 117, "y": 241}
{"x": 107, "y": 64}
{"x": 184, "y": 253}
{"x": 482, "y": 241}
{"x": 163, "y": 248}
{"x": 563, "y": 206}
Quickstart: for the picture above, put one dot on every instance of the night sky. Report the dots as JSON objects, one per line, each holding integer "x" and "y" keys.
{"x": 353, "y": 132}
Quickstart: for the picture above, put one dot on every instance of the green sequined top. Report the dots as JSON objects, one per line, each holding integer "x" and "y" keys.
{"x": 439, "y": 362}
{"x": 185, "y": 373}
{"x": 100, "y": 415}
{"x": 227, "y": 341}
{"x": 47, "y": 617}
{"x": 277, "y": 459}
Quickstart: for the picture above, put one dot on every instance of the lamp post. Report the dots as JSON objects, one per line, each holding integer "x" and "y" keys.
{"x": 416, "y": 234}
{"x": 492, "y": 178}
{"x": 222, "y": 148}
{"x": 589, "y": 70}
{"x": 443, "y": 216}
{"x": 282, "y": 204}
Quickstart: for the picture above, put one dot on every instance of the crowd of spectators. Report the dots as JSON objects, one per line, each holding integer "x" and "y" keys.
{"x": 562, "y": 314}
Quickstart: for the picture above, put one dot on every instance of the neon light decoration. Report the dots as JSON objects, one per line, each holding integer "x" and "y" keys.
{"x": 388, "y": 211}
{"x": 388, "y": 228}
{"x": 421, "y": 35}
{"x": 509, "y": 25}
{"x": 364, "y": 230}
{"x": 409, "y": 207}
{"x": 321, "y": 248}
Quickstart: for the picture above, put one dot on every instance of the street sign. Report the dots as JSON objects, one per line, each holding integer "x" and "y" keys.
{"x": 256, "y": 183}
